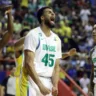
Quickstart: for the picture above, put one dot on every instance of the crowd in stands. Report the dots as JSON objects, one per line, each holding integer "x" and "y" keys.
{"x": 74, "y": 22}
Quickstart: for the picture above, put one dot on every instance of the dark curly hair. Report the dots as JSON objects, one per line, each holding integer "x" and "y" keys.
{"x": 40, "y": 13}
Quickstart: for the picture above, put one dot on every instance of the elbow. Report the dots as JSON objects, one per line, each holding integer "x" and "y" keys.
{"x": 26, "y": 65}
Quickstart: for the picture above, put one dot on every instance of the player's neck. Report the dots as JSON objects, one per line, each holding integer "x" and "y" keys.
{"x": 46, "y": 30}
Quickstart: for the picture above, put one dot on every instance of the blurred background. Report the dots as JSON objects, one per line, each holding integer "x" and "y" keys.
{"x": 74, "y": 22}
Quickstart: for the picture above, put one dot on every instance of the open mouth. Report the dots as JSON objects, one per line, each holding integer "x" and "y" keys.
{"x": 52, "y": 19}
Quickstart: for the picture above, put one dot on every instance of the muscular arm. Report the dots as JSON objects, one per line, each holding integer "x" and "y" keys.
{"x": 29, "y": 65}
{"x": 19, "y": 44}
{"x": 55, "y": 75}
{"x": 8, "y": 34}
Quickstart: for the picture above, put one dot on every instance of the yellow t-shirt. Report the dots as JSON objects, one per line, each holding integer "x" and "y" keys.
{"x": 24, "y": 3}
{"x": 65, "y": 30}
{"x": 68, "y": 31}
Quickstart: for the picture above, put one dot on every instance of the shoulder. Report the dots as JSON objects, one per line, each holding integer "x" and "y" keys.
{"x": 33, "y": 31}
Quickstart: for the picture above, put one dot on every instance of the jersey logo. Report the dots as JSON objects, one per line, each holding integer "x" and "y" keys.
{"x": 40, "y": 34}
{"x": 55, "y": 38}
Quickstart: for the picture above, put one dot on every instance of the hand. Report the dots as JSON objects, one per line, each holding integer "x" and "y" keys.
{"x": 90, "y": 94}
{"x": 54, "y": 91}
{"x": 44, "y": 90}
{"x": 72, "y": 52}
{"x": 7, "y": 11}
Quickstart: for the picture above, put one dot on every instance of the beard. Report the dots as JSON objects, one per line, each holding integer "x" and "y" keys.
{"x": 50, "y": 24}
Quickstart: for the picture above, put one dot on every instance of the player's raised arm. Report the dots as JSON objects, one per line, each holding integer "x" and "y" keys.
{"x": 8, "y": 34}
{"x": 19, "y": 44}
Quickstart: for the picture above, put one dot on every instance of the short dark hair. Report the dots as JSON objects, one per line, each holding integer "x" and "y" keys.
{"x": 40, "y": 13}
{"x": 23, "y": 31}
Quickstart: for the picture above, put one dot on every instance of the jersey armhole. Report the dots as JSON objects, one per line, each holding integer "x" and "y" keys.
{"x": 38, "y": 43}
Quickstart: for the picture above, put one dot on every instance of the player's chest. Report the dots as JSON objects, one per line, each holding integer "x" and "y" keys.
{"x": 48, "y": 44}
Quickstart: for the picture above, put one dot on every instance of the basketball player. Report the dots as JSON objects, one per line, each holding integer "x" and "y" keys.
{"x": 92, "y": 89}
{"x": 42, "y": 52}
{"x": 19, "y": 57}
